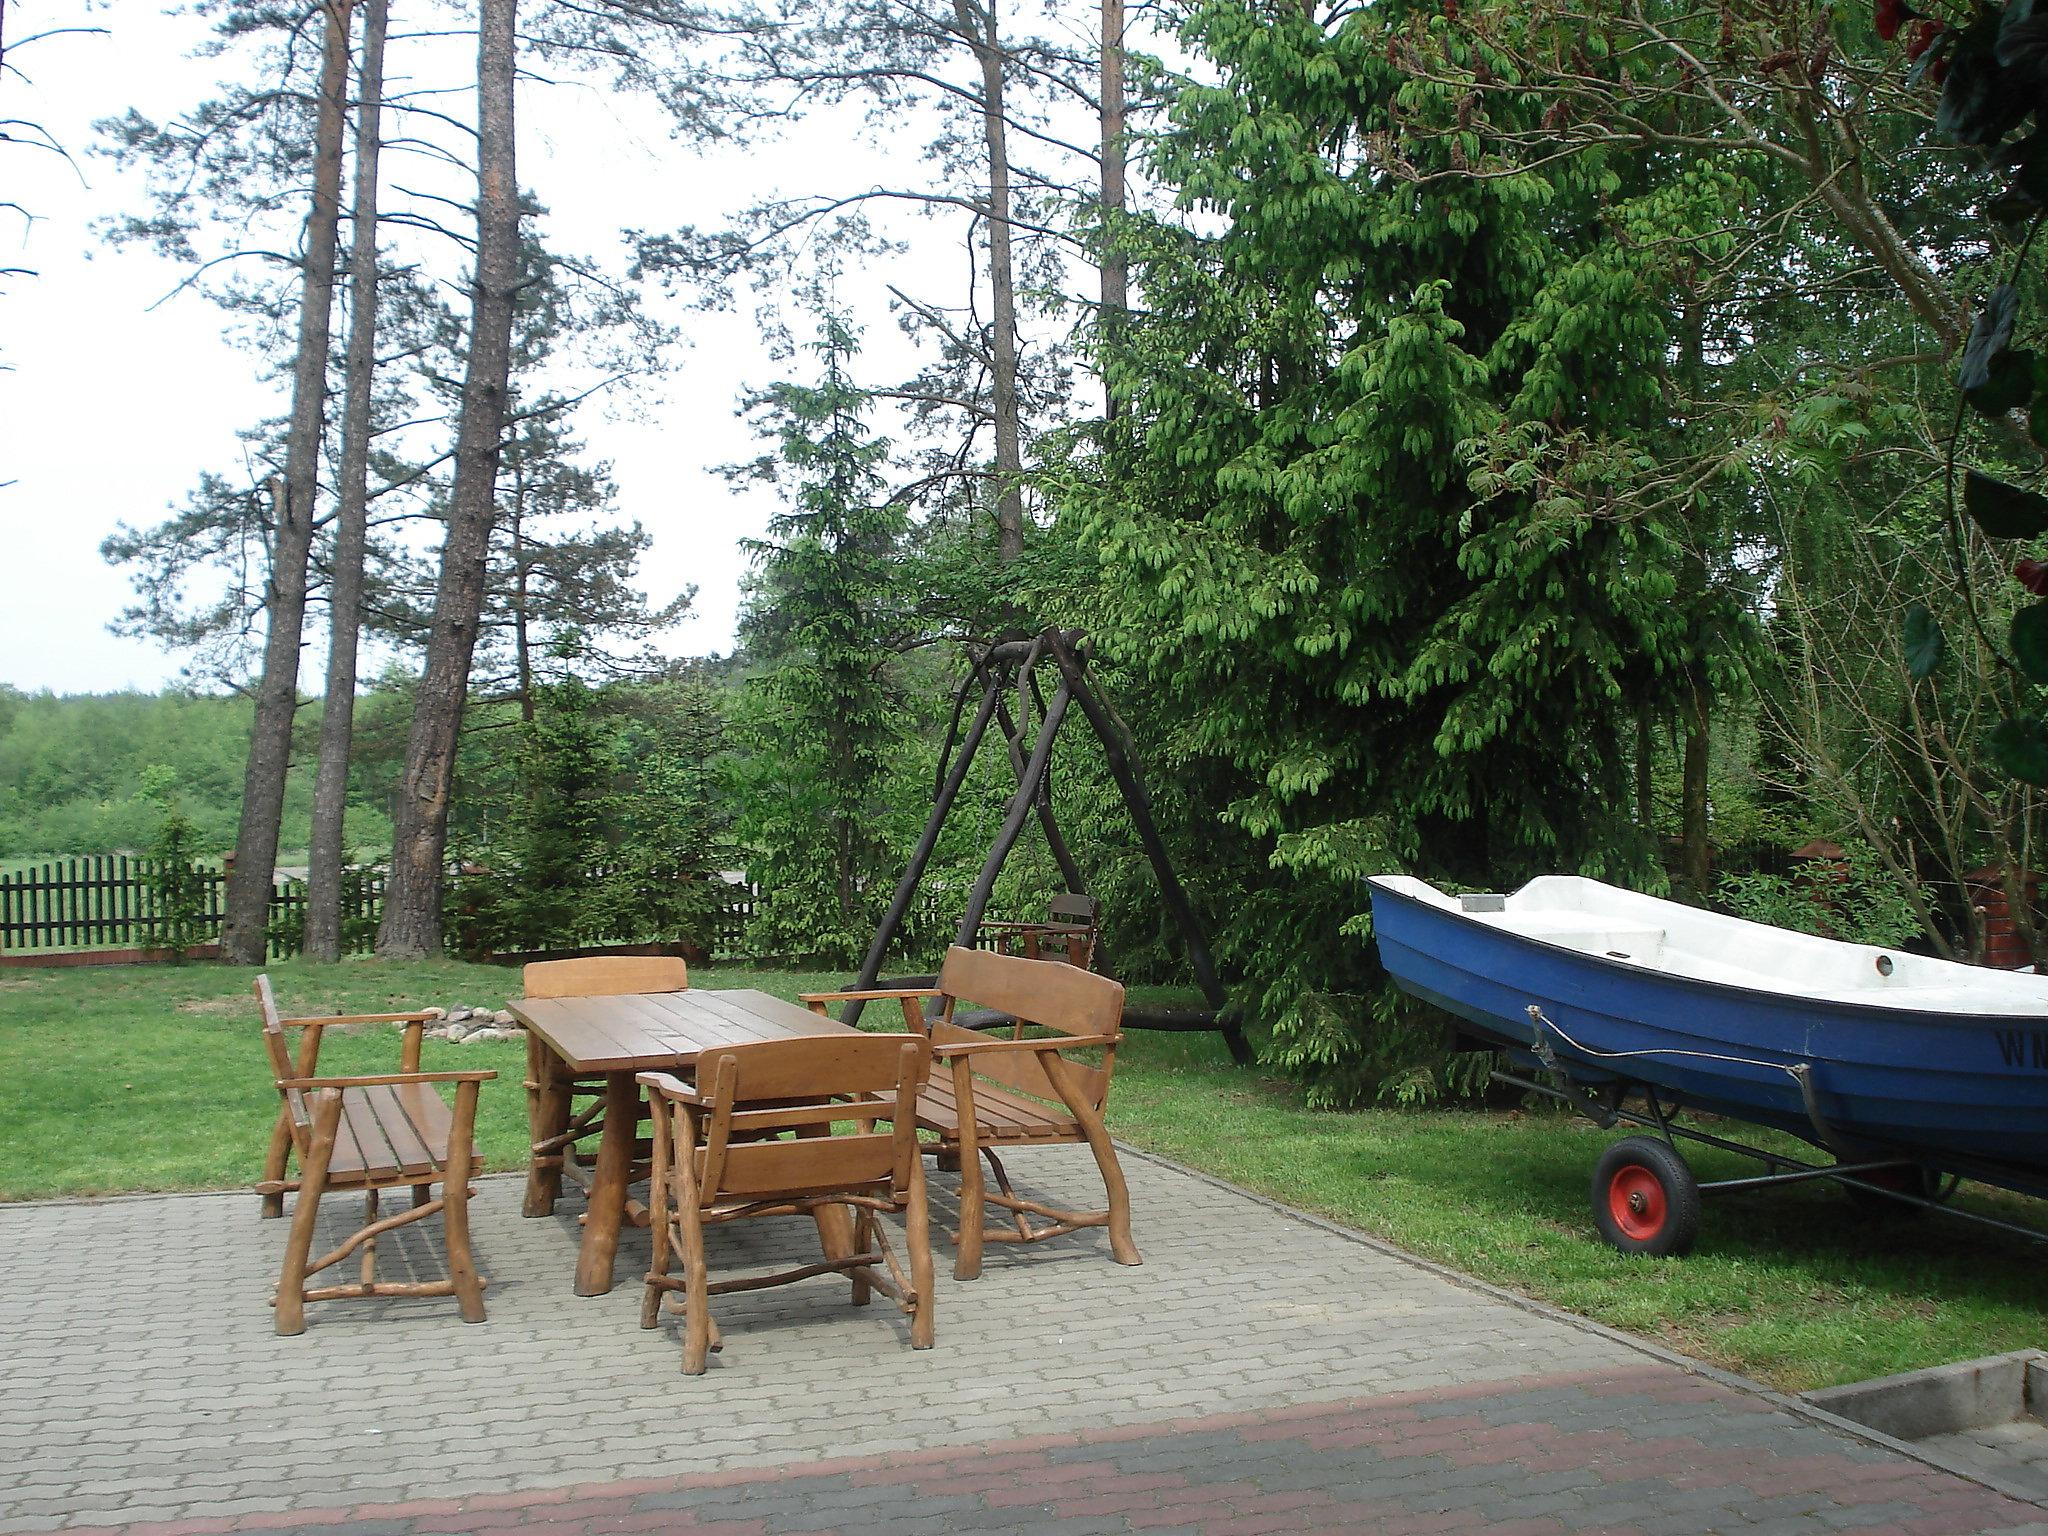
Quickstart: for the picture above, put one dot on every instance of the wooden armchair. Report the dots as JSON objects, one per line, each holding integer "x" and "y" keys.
{"x": 559, "y": 1121}
{"x": 1068, "y": 933}
{"x": 1020, "y": 1092}
{"x": 788, "y": 1128}
{"x": 368, "y": 1133}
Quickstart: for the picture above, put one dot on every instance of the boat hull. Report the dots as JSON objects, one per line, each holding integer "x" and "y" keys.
{"x": 1966, "y": 1093}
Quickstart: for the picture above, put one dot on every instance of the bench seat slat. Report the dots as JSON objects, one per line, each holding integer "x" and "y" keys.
{"x": 415, "y": 1123}
{"x": 999, "y": 1115}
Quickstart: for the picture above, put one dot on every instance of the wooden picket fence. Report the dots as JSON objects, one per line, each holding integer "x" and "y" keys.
{"x": 106, "y": 901}
{"x": 114, "y": 901}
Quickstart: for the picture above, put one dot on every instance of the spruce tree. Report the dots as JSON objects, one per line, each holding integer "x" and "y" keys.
{"x": 819, "y": 723}
{"x": 1376, "y": 638}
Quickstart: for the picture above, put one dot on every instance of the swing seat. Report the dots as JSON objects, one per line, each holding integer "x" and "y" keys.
{"x": 1068, "y": 933}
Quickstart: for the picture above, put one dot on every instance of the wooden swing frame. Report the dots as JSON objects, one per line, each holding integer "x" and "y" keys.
{"x": 1008, "y": 668}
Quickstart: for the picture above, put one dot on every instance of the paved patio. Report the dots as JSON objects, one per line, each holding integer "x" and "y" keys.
{"x": 1260, "y": 1372}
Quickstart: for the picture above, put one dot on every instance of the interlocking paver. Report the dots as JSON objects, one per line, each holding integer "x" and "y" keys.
{"x": 1293, "y": 1379}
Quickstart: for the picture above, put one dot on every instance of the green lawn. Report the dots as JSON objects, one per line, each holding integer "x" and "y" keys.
{"x": 122, "y": 1078}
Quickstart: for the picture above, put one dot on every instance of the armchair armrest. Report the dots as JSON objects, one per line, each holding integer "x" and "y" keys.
{"x": 1039, "y": 1046}
{"x": 906, "y": 998}
{"x": 669, "y": 1084}
{"x": 363, "y": 1018}
{"x": 880, "y": 995}
{"x": 384, "y": 1079}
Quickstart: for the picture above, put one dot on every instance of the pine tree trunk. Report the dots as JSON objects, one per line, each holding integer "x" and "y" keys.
{"x": 412, "y": 897}
{"x": 345, "y": 593}
{"x": 1115, "y": 271}
{"x": 243, "y": 939}
{"x": 980, "y": 26}
{"x": 522, "y": 643}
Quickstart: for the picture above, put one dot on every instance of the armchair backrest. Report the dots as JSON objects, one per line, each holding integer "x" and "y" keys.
{"x": 282, "y": 1067}
{"x": 607, "y": 976}
{"x": 828, "y": 1091}
{"x": 1061, "y": 998}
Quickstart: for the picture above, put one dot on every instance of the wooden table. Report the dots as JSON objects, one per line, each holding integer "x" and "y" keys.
{"x": 572, "y": 1037}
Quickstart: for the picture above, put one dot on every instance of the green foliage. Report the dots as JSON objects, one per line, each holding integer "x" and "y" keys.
{"x": 672, "y": 827}
{"x": 1857, "y": 899}
{"x": 535, "y": 892}
{"x": 70, "y": 767}
{"x": 174, "y": 880}
{"x": 1353, "y": 524}
{"x": 818, "y": 726}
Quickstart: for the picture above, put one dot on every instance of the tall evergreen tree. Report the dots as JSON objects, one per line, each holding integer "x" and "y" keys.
{"x": 823, "y": 612}
{"x": 1373, "y": 649}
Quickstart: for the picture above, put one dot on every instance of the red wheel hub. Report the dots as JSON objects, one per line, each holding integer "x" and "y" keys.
{"x": 1636, "y": 1202}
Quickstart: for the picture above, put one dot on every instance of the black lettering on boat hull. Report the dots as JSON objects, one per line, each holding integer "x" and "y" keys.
{"x": 2021, "y": 1049}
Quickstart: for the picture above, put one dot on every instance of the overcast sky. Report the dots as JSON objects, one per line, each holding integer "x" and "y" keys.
{"x": 110, "y": 408}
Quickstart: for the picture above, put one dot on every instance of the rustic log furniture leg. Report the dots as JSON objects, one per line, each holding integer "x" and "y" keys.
{"x": 469, "y": 1286}
{"x": 276, "y": 1163}
{"x": 835, "y": 1222}
{"x": 608, "y": 1185}
{"x": 291, "y": 1286}
{"x": 917, "y": 1234}
{"x": 659, "y": 1210}
{"x": 547, "y": 1100}
{"x": 1122, "y": 1247}
{"x": 696, "y": 1274}
{"x": 973, "y": 1202}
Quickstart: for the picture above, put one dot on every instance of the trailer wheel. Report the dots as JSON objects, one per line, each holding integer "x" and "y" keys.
{"x": 1645, "y": 1199}
{"x": 1914, "y": 1179}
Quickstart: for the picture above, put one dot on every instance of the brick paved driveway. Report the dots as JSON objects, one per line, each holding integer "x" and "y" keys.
{"x": 1259, "y": 1372}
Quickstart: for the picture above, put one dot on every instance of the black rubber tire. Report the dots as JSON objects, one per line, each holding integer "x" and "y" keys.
{"x": 1645, "y": 1198}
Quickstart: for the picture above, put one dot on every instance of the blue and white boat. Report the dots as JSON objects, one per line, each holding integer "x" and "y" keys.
{"x": 1871, "y": 1053}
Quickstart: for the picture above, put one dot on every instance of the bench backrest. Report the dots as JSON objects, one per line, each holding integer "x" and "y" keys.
{"x": 1069, "y": 908}
{"x": 830, "y": 1091}
{"x": 1054, "y": 996}
{"x": 607, "y": 976}
{"x": 282, "y": 1067}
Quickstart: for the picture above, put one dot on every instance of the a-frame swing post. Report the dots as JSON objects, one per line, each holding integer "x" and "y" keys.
{"x": 942, "y": 804}
{"x": 1013, "y": 822}
{"x": 1070, "y": 868}
{"x": 1138, "y": 802}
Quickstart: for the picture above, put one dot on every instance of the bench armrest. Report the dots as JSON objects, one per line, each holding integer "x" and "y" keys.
{"x": 362, "y": 1018}
{"x": 383, "y": 1079}
{"x": 1048, "y": 1043}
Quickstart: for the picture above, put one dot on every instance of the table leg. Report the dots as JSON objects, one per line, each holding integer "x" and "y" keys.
{"x": 835, "y": 1222}
{"x": 547, "y": 1116}
{"x": 608, "y": 1185}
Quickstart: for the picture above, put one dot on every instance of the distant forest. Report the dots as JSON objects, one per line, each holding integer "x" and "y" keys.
{"x": 74, "y": 769}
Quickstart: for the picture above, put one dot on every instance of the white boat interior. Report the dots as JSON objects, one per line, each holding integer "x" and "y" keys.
{"x": 1667, "y": 936}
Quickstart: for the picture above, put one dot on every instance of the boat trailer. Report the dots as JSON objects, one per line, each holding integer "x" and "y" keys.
{"x": 1646, "y": 1198}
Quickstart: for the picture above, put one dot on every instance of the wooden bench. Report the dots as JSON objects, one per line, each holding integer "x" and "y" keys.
{"x": 559, "y": 1122}
{"x": 788, "y": 1128}
{"x": 1068, "y": 933}
{"x": 1025, "y": 1091}
{"x": 369, "y": 1133}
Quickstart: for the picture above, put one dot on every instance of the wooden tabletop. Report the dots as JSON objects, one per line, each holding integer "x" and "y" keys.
{"x": 661, "y": 1031}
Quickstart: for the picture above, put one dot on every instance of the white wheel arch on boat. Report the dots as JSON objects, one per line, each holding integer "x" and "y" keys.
{"x": 1629, "y": 928}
